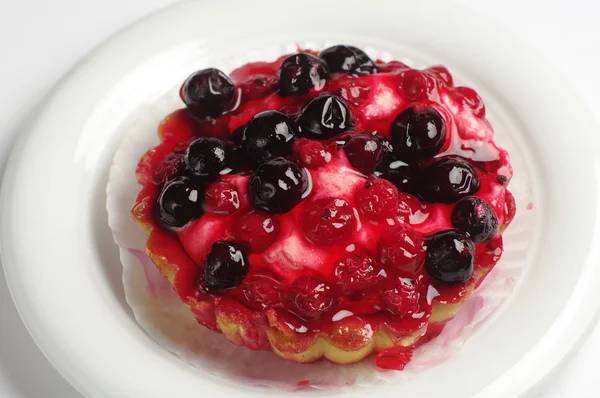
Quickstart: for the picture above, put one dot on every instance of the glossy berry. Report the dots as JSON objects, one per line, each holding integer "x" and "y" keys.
{"x": 208, "y": 93}
{"x": 401, "y": 248}
{"x": 237, "y": 137}
{"x": 258, "y": 86}
{"x": 401, "y": 297}
{"x": 417, "y": 134}
{"x": 416, "y": 84}
{"x": 221, "y": 198}
{"x": 172, "y": 166}
{"x": 182, "y": 146}
{"x": 340, "y": 140}
{"x": 180, "y": 202}
{"x": 449, "y": 256}
{"x": 392, "y": 67}
{"x": 310, "y": 296}
{"x": 328, "y": 220}
{"x": 348, "y": 59}
{"x": 225, "y": 267}
{"x": 268, "y": 135}
{"x": 398, "y": 172}
{"x": 377, "y": 199}
{"x": 310, "y": 153}
{"x": 385, "y": 144}
{"x": 475, "y": 217}
{"x": 263, "y": 291}
{"x": 278, "y": 185}
{"x": 355, "y": 273}
{"x": 300, "y": 73}
{"x": 447, "y": 180}
{"x": 410, "y": 209}
{"x": 256, "y": 228}
{"x": 469, "y": 99}
{"x": 365, "y": 152}
{"x": 442, "y": 74}
{"x": 324, "y": 117}
{"x": 208, "y": 157}
{"x": 238, "y": 157}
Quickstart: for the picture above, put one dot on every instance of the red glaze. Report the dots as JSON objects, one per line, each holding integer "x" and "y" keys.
{"x": 283, "y": 253}
{"x": 310, "y": 153}
{"x": 378, "y": 199}
{"x": 393, "y": 358}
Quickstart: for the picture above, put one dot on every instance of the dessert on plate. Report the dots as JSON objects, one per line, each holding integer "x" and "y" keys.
{"x": 325, "y": 205}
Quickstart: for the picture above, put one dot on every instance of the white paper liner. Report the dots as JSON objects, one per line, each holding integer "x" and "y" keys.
{"x": 172, "y": 325}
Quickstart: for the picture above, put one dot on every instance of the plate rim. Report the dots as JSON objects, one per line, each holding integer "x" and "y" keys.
{"x": 59, "y": 91}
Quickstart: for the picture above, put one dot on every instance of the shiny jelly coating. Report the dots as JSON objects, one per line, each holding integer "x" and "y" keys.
{"x": 372, "y": 110}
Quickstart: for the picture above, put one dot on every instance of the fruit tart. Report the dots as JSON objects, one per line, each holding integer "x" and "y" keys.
{"x": 325, "y": 205}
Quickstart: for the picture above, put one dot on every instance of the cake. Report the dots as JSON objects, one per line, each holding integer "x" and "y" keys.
{"x": 325, "y": 205}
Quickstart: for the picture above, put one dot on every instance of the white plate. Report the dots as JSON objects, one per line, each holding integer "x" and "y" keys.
{"x": 64, "y": 270}
{"x": 170, "y": 322}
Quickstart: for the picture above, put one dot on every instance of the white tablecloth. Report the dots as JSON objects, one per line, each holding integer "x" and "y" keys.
{"x": 40, "y": 40}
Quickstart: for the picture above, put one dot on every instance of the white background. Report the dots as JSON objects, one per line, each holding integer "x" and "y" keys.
{"x": 41, "y": 40}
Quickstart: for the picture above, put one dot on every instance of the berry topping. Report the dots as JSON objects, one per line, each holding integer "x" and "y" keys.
{"x": 355, "y": 273}
{"x": 221, "y": 198}
{"x": 278, "y": 185}
{"x": 324, "y": 117}
{"x": 417, "y": 134}
{"x": 365, "y": 152}
{"x": 268, "y": 135}
{"x": 340, "y": 140}
{"x": 238, "y": 137}
{"x": 225, "y": 267}
{"x": 475, "y": 217}
{"x": 328, "y": 220}
{"x": 449, "y": 256}
{"x": 416, "y": 84}
{"x": 208, "y": 157}
{"x": 501, "y": 179}
{"x": 258, "y": 87}
{"x": 392, "y": 67}
{"x": 310, "y": 296}
{"x": 172, "y": 166}
{"x": 208, "y": 93}
{"x": 183, "y": 146}
{"x": 385, "y": 144}
{"x": 257, "y": 228}
{"x": 326, "y": 198}
{"x": 311, "y": 153}
{"x": 299, "y": 73}
{"x": 180, "y": 202}
{"x": 262, "y": 291}
{"x": 401, "y": 297}
{"x": 442, "y": 74}
{"x": 377, "y": 199}
{"x": 410, "y": 209}
{"x": 447, "y": 180}
{"x": 239, "y": 160}
{"x": 401, "y": 248}
{"x": 348, "y": 59}
{"x": 470, "y": 99}
{"x": 398, "y": 172}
